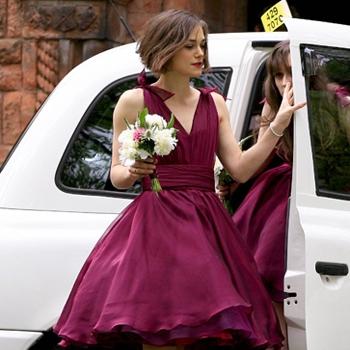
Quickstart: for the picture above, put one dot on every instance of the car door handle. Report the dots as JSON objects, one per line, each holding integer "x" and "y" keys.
{"x": 331, "y": 269}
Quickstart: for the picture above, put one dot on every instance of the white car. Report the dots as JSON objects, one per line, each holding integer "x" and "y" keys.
{"x": 56, "y": 199}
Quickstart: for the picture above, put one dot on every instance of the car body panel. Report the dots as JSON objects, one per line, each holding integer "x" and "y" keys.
{"x": 319, "y": 227}
{"x": 43, "y": 251}
{"x": 17, "y": 340}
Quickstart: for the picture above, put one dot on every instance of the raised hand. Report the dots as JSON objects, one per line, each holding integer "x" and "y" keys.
{"x": 287, "y": 108}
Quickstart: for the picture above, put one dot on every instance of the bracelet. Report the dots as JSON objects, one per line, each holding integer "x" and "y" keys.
{"x": 274, "y": 132}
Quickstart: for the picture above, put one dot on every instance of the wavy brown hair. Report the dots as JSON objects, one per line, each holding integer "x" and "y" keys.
{"x": 277, "y": 62}
{"x": 165, "y": 34}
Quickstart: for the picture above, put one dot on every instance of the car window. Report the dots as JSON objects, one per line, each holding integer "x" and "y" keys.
{"x": 327, "y": 76}
{"x": 255, "y": 105}
{"x": 86, "y": 163}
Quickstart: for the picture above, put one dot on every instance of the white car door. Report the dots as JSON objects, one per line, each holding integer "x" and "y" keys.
{"x": 318, "y": 309}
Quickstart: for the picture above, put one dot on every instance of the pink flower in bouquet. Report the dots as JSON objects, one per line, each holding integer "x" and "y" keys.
{"x": 138, "y": 133}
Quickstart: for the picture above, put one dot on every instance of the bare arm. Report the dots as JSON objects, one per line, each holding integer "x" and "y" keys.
{"x": 128, "y": 106}
{"x": 267, "y": 116}
{"x": 243, "y": 165}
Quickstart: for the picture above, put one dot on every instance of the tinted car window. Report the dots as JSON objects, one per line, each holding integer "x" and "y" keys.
{"x": 86, "y": 163}
{"x": 327, "y": 73}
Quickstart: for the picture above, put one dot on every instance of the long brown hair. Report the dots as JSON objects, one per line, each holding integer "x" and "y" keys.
{"x": 165, "y": 34}
{"x": 277, "y": 62}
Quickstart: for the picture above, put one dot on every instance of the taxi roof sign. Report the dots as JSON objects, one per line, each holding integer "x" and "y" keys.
{"x": 273, "y": 17}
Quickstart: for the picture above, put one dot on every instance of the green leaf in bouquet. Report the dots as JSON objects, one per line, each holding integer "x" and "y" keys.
{"x": 142, "y": 117}
{"x": 225, "y": 178}
{"x": 171, "y": 121}
{"x": 228, "y": 205}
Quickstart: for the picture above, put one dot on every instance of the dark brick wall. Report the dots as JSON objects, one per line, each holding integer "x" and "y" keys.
{"x": 41, "y": 40}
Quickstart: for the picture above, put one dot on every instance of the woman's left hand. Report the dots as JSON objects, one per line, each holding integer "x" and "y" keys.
{"x": 142, "y": 168}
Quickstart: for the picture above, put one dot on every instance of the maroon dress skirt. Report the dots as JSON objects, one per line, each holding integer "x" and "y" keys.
{"x": 262, "y": 220}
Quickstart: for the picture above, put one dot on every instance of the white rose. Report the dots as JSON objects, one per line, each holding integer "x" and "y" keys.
{"x": 218, "y": 167}
{"x": 164, "y": 141}
{"x": 126, "y": 136}
{"x": 148, "y": 134}
{"x": 156, "y": 120}
{"x": 127, "y": 155}
{"x": 142, "y": 154}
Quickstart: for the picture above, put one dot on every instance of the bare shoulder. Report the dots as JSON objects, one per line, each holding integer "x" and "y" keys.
{"x": 129, "y": 104}
{"x": 219, "y": 102}
{"x": 132, "y": 98}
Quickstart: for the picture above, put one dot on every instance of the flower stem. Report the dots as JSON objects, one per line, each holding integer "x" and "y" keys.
{"x": 155, "y": 184}
{"x": 228, "y": 205}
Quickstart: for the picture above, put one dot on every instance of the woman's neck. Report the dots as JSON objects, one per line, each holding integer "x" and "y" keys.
{"x": 173, "y": 82}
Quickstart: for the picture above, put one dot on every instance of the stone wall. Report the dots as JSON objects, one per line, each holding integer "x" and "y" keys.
{"x": 41, "y": 40}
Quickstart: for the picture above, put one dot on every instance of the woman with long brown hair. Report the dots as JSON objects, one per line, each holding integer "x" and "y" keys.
{"x": 262, "y": 215}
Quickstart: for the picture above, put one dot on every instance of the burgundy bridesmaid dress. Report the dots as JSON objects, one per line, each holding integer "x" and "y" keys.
{"x": 173, "y": 267}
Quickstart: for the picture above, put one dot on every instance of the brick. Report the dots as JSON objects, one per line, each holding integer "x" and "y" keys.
{"x": 137, "y": 22}
{"x": 10, "y": 51}
{"x": 69, "y": 56}
{"x": 4, "y": 151}
{"x": 123, "y": 2}
{"x": 178, "y": 4}
{"x": 11, "y": 127}
{"x": 10, "y": 77}
{"x": 235, "y": 20}
{"x": 29, "y": 64}
{"x": 28, "y": 108}
{"x": 198, "y": 7}
{"x": 65, "y": 20}
{"x": 115, "y": 30}
{"x": 1, "y": 113}
{"x": 14, "y": 18}
{"x": 140, "y": 11}
{"x": 3, "y": 8}
{"x": 47, "y": 65}
{"x": 93, "y": 47}
{"x": 145, "y": 6}
{"x": 41, "y": 97}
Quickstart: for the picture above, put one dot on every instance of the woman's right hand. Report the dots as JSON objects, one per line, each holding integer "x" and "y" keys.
{"x": 225, "y": 191}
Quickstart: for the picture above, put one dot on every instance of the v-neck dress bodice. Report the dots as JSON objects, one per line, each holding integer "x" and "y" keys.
{"x": 173, "y": 268}
{"x": 197, "y": 146}
{"x": 194, "y": 155}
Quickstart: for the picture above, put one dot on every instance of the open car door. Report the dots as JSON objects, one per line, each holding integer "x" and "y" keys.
{"x": 318, "y": 257}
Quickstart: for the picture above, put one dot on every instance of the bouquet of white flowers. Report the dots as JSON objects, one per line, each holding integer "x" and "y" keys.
{"x": 223, "y": 177}
{"x": 150, "y": 136}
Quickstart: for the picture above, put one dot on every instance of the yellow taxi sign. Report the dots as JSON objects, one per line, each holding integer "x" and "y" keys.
{"x": 273, "y": 17}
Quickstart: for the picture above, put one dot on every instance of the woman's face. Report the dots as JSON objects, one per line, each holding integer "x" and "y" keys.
{"x": 283, "y": 76}
{"x": 189, "y": 59}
